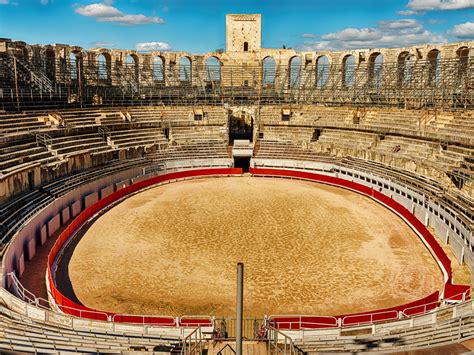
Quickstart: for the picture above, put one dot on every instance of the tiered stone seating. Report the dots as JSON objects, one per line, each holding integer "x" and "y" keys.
{"x": 136, "y": 137}
{"x": 308, "y": 115}
{"x": 462, "y": 124}
{"x": 344, "y": 142}
{"x": 177, "y": 115}
{"x": 455, "y": 156}
{"x": 430, "y": 335}
{"x": 421, "y": 182}
{"x": 329, "y": 116}
{"x": 194, "y": 150}
{"x": 20, "y": 123}
{"x": 198, "y": 133}
{"x": 19, "y": 156}
{"x": 215, "y": 115}
{"x": 15, "y": 212}
{"x": 407, "y": 147}
{"x": 266, "y": 149}
{"x": 73, "y": 145}
{"x": 161, "y": 114}
{"x": 22, "y": 334}
{"x": 81, "y": 117}
{"x": 391, "y": 120}
{"x": 288, "y": 133}
{"x": 111, "y": 118}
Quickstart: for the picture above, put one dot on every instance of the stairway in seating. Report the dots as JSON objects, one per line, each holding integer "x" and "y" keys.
{"x": 242, "y": 148}
{"x": 256, "y": 148}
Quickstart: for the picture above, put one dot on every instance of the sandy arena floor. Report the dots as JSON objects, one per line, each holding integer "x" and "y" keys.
{"x": 307, "y": 248}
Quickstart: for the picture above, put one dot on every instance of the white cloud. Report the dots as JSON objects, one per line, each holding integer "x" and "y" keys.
{"x": 44, "y": 2}
{"x": 407, "y": 13}
{"x": 3, "y": 2}
{"x": 427, "y": 5}
{"x": 353, "y": 34}
{"x": 399, "y": 33}
{"x": 100, "y": 44}
{"x": 105, "y": 12}
{"x": 98, "y": 10}
{"x": 435, "y": 21}
{"x": 152, "y": 46}
{"x": 308, "y": 35}
{"x": 398, "y": 24}
{"x": 463, "y": 31}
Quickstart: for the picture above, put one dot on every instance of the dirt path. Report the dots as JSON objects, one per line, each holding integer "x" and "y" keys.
{"x": 307, "y": 248}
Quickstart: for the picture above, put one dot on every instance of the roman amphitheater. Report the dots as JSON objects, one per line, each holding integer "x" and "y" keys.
{"x": 133, "y": 184}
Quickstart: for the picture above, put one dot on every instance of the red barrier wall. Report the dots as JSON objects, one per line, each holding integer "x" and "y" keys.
{"x": 72, "y": 308}
{"x": 314, "y": 322}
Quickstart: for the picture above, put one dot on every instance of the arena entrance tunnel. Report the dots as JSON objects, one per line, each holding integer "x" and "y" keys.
{"x": 242, "y": 163}
{"x": 450, "y": 292}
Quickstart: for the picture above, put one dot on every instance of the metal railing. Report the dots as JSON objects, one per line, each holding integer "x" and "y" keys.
{"x": 304, "y": 321}
{"x": 104, "y": 132}
{"x": 193, "y": 343}
{"x": 281, "y": 343}
{"x": 38, "y": 76}
{"x": 44, "y": 139}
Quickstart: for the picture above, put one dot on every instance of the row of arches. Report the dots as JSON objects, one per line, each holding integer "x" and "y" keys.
{"x": 322, "y": 70}
{"x": 346, "y": 72}
{"x": 104, "y": 67}
{"x": 406, "y": 66}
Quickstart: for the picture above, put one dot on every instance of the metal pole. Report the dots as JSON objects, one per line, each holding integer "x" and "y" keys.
{"x": 16, "y": 84}
{"x": 78, "y": 63}
{"x": 240, "y": 303}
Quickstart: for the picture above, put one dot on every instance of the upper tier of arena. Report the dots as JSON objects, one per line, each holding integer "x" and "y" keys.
{"x": 435, "y": 76}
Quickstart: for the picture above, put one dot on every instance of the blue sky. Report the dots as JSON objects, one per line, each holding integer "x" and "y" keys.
{"x": 198, "y": 26}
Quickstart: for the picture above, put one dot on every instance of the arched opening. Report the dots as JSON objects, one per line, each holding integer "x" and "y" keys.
{"x": 246, "y": 46}
{"x": 73, "y": 65}
{"x": 375, "y": 69}
{"x": 213, "y": 70}
{"x": 434, "y": 70}
{"x": 103, "y": 67}
{"x": 49, "y": 63}
{"x": 463, "y": 54}
{"x": 408, "y": 68}
{"x": 132, "y": 67}
{"x": 401, "y": 67}
{"x": 322, "y": 71}
{"x": 463, "y": 61}
{"x": 268, "y": 72}
{"x": 294, "y": 74}
{"x": 348, "y": 71}
{"x": 158, "y": 69}
{"x": 185, "y": 70}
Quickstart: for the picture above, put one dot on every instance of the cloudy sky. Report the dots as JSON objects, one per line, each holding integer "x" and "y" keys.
{"x": 199, "y": 25}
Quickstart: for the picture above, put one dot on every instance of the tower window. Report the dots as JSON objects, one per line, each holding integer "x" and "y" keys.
{"x": 246, "y": 46}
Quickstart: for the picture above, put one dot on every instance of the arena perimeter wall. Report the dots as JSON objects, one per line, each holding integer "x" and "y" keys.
{"x": 285, "y": 322}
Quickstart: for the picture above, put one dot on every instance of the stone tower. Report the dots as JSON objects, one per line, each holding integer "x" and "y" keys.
{"x": 243, "y": 33}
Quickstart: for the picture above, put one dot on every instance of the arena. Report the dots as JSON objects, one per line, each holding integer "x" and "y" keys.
{"x": 132, "y": 183}
{"x": 210, "y": 225}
